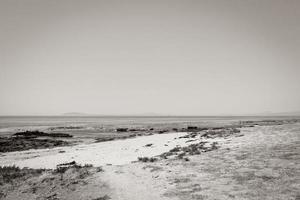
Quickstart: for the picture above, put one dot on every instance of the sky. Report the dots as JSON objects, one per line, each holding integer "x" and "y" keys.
{"x": 204, "y": 57}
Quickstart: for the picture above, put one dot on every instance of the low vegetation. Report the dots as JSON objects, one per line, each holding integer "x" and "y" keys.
{"x": 26, "y": 140}
{"x": 105, "y": 197}
{"x": 225, "y": 132}
{"x": 35, "y": 134}
{"x": 147, "y": 159}
{"x": 9, "y": 144}
{"x": 10, "y": 173}
{"x": 62, "y": 168}
{"x": 45, "y": 183}
{"x": 193, "y": 149}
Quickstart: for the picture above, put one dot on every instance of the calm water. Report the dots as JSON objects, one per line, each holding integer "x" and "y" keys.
{"x": 15, "y": 123}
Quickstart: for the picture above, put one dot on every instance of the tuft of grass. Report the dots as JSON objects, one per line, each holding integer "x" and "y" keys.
{"x": 81, "y": 170}
{"x": 175, "y": 149}
{"x": 99, "y": 169}
{"x": 105, "y": 197}
{"x": 62, "y": 168}
{"x": 147, "y": 159}
{"x": 181, "y": 155}
{"x": 9, "y": 173}
{"x": 87, "y": 165}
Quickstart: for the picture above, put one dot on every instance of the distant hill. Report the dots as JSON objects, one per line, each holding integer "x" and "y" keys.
{"x": 75, "y": 114}
{"x": 87, "y": 114}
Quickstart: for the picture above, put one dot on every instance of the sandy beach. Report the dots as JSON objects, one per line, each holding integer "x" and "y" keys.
{"x": 118, "y": 152}
{"x": 260, "y": 162}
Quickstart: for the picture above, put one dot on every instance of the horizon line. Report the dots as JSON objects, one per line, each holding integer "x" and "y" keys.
{"x": 158, "y": 115}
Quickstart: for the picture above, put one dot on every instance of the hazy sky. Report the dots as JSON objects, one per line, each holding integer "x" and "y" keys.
{"x": 134, "y": 57}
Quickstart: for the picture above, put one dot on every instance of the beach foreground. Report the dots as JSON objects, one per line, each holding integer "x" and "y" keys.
{"x": 261, "y": 162}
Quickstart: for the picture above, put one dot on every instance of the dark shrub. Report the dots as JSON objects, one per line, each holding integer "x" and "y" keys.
{"x": 146, "y": 159}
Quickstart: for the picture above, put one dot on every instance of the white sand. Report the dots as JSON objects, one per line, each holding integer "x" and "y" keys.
{"x": 112, "y": 152}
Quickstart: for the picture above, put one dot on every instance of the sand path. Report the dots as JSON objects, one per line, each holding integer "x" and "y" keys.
{"x": 132, "y": 182}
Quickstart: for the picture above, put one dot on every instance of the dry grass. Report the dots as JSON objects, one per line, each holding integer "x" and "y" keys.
{"x": 10, "y": 173}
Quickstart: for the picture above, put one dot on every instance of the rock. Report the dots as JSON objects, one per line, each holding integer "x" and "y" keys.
{"x": 192, "y": 127}
{"x": 122, "y": 129}
{"x": 162, "y": 131}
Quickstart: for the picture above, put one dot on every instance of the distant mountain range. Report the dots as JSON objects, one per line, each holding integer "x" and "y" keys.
{"x": 88, "y": 114}
{"x": 75, "y": 114}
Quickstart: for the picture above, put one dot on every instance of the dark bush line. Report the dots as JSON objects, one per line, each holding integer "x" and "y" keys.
{"x": 40, "y": 134}
{"x": 9, "y": 144}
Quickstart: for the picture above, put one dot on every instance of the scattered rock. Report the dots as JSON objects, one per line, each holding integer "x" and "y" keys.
{"x": 122, "y": 129}
{"x": 162, "y": 131}
{"x": 192, "y": 128}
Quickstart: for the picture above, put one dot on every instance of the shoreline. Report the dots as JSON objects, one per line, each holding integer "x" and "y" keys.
{"x": 219, "y": 163}
{"x": 258, "y": 162}
{"x": 67, "y": 135}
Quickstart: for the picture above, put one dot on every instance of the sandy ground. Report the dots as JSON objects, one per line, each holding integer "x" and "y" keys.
{"x": 98, "y": 154}
{"x": 262, "y": 164}
{"x": 259, "y": 163}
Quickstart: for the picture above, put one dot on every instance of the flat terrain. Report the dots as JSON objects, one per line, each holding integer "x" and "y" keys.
{"x": 261, "y": 162}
